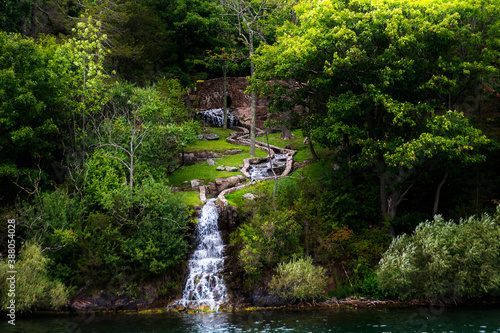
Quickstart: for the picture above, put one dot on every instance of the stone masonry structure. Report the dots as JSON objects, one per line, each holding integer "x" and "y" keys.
{"x": 210, "y": 94}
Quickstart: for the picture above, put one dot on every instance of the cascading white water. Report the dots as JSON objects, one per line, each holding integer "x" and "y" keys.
{"x": 216, "y": 117}
{"x": 205, "y": 284}
{"x": 263, "y": 170}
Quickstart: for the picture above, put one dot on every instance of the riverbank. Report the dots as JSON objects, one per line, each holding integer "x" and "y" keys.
{"x": 352, "y": 302}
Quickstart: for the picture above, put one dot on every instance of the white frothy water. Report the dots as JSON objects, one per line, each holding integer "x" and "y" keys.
{"x": 216, "y": 117}
{"x": 263, "y": 170}
{"x": 205, "y": 284}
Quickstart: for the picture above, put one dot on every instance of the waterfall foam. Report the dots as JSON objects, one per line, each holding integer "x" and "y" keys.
{"x": 215, "y": 117}
{"x": 263, "y": 170}
{"x": 205, "y": 284}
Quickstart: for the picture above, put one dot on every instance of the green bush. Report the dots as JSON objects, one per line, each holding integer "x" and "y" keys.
{"x": 34, "y": 288}
{"x": 298, "y": 280}
{"x": 268, "y": 239}
{"x": 444, "y": 261}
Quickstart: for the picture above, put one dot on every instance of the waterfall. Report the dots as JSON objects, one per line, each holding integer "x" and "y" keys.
{"x": 205, "y": 285}
{"x": 263, "y": 170}
{"x": 215, "y": 117}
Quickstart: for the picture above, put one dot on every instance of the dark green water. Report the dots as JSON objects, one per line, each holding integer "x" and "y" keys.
{"x": 424, "y": 319}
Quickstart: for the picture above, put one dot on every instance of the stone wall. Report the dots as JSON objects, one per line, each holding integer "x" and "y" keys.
{"x": 210, "y": 96}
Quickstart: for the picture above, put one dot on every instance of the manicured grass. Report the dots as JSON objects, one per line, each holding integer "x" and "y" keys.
{"x": 217, "y": 146}
{"x": 205, "y": 172}
{"x": 312, "y": 172}
{"x": 303, "y": 151}
{"x": 189, "y": 198}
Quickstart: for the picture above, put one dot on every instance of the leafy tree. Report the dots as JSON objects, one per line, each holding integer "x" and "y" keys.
{"x": 52, "y": 220}
{"x": 32, "y": 110}
{"x": 254, "y": 17}
{"x": 222, "y": 58}
{"x": 88, "y": 85}
{"x": 13, "y": 15}
{"x": 444, "y": 261}
{"x": 150, "y": 117}
{"x": 381, "y": 82}
{"x": 160, "y": 242}
{"x": 268, "y": 239}
{"x": 34, "y": 288}
{"x": 188, "y": 33}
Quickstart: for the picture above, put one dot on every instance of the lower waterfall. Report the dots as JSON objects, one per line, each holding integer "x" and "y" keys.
{"x": 205, "y": 284}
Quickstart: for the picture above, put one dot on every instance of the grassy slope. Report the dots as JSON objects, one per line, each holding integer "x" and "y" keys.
{"x": 303, "y": 151}
{"x": 208, "y": 173}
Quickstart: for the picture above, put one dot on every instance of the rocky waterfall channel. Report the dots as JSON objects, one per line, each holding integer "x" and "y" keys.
{"x": 204, "y": 287}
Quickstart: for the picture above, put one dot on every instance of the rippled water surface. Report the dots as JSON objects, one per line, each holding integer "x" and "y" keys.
{"x": 425, "y": 319}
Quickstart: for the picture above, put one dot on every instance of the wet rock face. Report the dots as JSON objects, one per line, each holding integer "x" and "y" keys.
{"x": 229, "y": 220}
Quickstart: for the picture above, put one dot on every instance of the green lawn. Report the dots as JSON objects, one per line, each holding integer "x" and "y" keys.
{"x": 205, "y": 172}
{"x": 303, "y": 151}
{"x": 313, "y": 172}
{"x": 217, "y": 146}
{"x": 189, "y": 198}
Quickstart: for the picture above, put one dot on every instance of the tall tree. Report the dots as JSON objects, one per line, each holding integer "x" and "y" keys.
{"x": 89, "y": 84}
{"x": 380, "y": 82}
{"x": 32, "y": 110}
{"x": 253, "y": 19}
{"x": 224, "y": 57}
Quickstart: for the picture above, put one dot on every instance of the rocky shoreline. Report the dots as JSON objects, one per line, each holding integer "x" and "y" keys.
{"x": 107, "y": 305}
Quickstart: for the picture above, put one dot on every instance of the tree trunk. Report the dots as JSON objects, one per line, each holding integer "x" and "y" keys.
{"x": 274, "y": 173}
{"x": 224, "y": 94}
{"x": 254, "y": 98}
{"x": 84, "y": 110}
{"x": 286, "y": 133}
{"x": 313, "y": 152}
{"x": 131, "y": 179}
{"x": 438, "y": 193}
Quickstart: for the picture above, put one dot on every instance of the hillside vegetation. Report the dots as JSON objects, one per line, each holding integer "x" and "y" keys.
{"x": 391, "y": 106}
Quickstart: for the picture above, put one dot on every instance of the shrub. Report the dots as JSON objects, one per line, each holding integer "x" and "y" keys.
{"x": 298, "y": 280}
{"x": 444, "y": 261}
{"x": 34, "y": 288}
{"x": 268, "y": 239}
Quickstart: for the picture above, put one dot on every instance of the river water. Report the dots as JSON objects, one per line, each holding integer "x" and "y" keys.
{"x": 423, "y": 319}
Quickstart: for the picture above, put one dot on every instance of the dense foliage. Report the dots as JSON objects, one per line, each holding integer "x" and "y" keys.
{"x": 384, "y": 82}
{"x": 395, "y": 101}
{"x": 444, "y": 261}
{"x": 33, "y": 287}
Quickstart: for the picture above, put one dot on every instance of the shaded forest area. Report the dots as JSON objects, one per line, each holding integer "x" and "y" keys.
{"x": 398, "y": 100}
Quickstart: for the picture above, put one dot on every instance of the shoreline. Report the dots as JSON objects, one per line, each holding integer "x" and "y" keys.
{"x": 349, "y": 303}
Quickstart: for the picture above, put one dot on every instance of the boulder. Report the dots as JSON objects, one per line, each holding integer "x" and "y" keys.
{"x": 248, "y": 196}
{"x": 221, "y": 168}
{"x": 211, "y": 136}
{"x": 211, "y": 162}
{"x": 233, "y": 151}
{"x": 196, "y": 183}
{"x": 231, "y": 169}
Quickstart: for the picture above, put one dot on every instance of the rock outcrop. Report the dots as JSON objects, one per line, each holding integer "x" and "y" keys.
{"x": 210, "y": 96}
